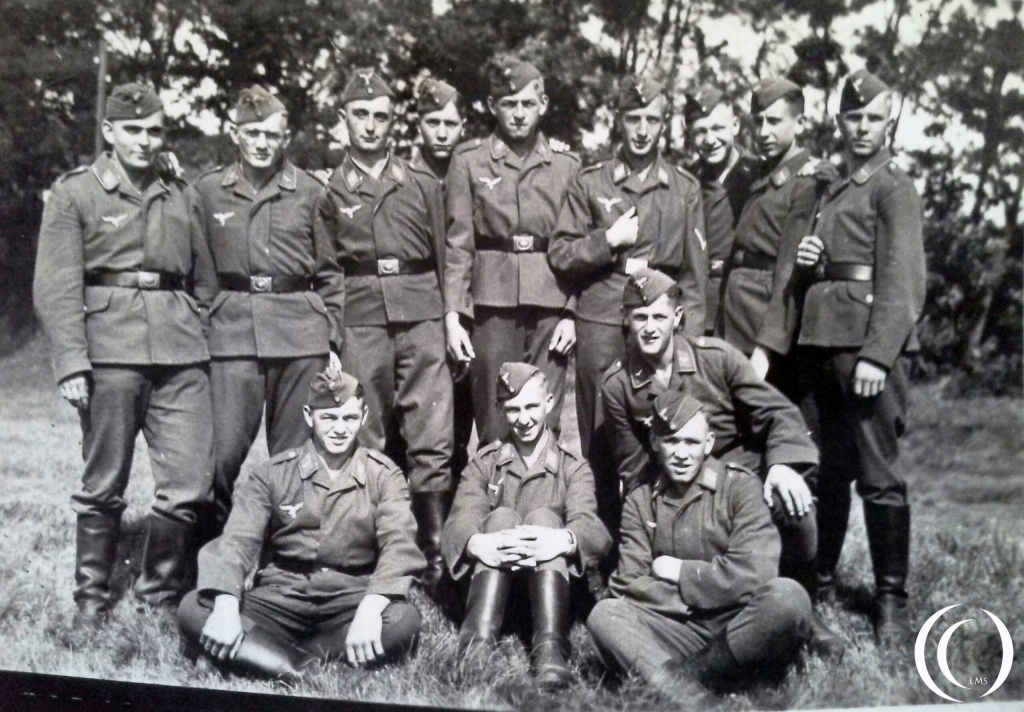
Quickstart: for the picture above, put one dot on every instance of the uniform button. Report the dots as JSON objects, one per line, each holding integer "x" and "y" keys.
{"x": 870, "y": 298}
{"x": 291, "y": 453}
{"x": 701, "y": 341}
{"x": 324, "y": 569}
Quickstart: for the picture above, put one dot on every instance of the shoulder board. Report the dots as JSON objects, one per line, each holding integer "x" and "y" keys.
{"x": 710, "y": 342}
{"x": 322, "y": 176}
{"x": 209, "y": 171}
{"x": 564, "y": 447}
{"x": 468, "y": 145}
{"x": 489, "y": 448}
{"x": 567, "y": 152}
{"x": 612, "y": 370}
{"x": 592, "y": 167}
{"x": 73, "y": 172}
{"x": 378, "y": 456}
{"x": 686, "y": 174}
{"x": 284, "y": 457}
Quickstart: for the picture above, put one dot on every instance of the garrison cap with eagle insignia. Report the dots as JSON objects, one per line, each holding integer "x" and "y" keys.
{"x": 644, "y": 287}
{"x": 132, "y": 101}
{"x": 365, "y": 83}
{"x": 770, "y": 91}
{"x": 510, "y": 76}
{"x": 256, "y": 104}
{"x": 860, "y": 89}
{"x": 636, "y": 92}
{"x": 433, "y": 95}
{"x": 512, "y": 376}
{"x": 701, "y": 102}
{"x": 331, "y": 388}
{"x": 672, "y": 410}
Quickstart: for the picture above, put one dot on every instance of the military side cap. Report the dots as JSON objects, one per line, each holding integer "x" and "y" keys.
{"x": 331, "y": 388}
{"x": 636, "y": 92}
{"x": 512, "y": 376}
{"x": 860, "y": 89}
{"x": 701, "y": 102}
{"x": 365, "y": 84}
{"x": 672, "y": 410}
{"x": 433, "y": 95}
{"x": 256, "y": 104}
{"x": 770, "y": 91}
{"x": 510, "y": 76}
{"x": 644, "y": 287}
{"x": 132, "y": 101}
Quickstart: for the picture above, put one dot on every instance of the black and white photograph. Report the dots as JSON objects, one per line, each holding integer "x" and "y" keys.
{"x": 567, "y": 355}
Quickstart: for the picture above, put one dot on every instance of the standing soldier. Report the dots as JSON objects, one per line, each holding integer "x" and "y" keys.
{"x": 726, "y": 173}
{"x": 504, "y": 194}
{"x": 388, "y": 228}
{"x": 866, "y": 269}
{"x": 277, "y": 315}
{"x": 120, "y": 251}
{"x": 633, "y": 211}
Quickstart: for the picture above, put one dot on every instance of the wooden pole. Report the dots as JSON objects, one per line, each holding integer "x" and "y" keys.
{"x": 101, "y": 97}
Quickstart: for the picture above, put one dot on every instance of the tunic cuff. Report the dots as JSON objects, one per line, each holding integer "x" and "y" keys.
{"x": 792, "y": 455}
{"x": 394, "y": 588}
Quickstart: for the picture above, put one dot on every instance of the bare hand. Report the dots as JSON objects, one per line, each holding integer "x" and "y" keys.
{"x": 222, "y": 635}
{"x": 460, "y": 348}
{"x": 75, "y": 390}
{"x": 809, "y": 251}
{"x": 362, "y": 644}
{"x": 759, "y": 361}
{"x": 542, "y": 543}
{"x": 624, "y": 230}
{"x": 496, "y": 549}
{"x": 334, "y": 361}
{"x": 868, "y": 379}
{"x": 564, "y": 337}
{"x": 667, "y": 568}
{"x": 793, "y": 491}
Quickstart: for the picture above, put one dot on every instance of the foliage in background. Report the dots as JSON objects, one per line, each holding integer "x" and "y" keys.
{"x": 959, "y": 61}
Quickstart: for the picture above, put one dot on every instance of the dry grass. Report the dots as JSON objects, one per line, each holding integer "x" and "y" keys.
{"x": 964, "y": 459}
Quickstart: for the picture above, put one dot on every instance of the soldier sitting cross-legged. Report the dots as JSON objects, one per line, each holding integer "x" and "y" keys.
{"x": 341, "y": 539}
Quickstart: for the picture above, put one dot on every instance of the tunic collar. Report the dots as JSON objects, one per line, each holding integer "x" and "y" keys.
{"x": 657, "y": 174}
{"x": 111, "y": 176}
{"x": 547, "y": 460}
{"x": 707, "y": 480}
{"x": 287, "y": 175}
{"x": 783, "y": 172}
{"x": 641, "y": 373}
{"x": 353, "y": 473}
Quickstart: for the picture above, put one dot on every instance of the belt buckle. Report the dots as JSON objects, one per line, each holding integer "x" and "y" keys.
{"x": 261, "y": 283}
{"x": 634, "y": 265}
{"x": 387, "y": 266}
{"x": 149, "y": 280}
{"x": 522, "y": 243}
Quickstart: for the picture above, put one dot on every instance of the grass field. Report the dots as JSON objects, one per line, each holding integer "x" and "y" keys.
{"x": 964, "y": 460}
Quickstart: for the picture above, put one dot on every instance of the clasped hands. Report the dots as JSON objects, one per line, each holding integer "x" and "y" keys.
{"x": 523, "y": 546}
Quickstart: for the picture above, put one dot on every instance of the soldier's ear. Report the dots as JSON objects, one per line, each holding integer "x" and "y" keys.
{"x": 307, "y": 413}
{"x": 709, "y": 443}
{"x": 107, "y": 129}
{"x": 366, "y": 413}
{"x": 544, "y": 102}
{"x": 680, "y": 312}
{"x": 233, "y": 133}
{"x": 491, "y": 105}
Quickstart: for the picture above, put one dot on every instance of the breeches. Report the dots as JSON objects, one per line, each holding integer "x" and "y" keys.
{"x": 598, "y": 346}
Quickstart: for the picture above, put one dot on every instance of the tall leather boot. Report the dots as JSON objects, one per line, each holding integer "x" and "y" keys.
{"x": 168, "y": 543}
{"x": 95, "y": 548}
{"x": 888, "y": 530}
{"x": 823, "y": 640}
{"x": 485, "y": 609}
{"x": 263, "y": 654}
{"x": 549, "y": 604}
{"x": 833, "y": 518}
{"x": 431, "y": 510}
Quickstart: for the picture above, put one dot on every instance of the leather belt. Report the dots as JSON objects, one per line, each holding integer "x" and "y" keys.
{"x": 752, "y": 260}
{"x": 387, "y": 267}
{"x": 137, "y": 279}
{"x": 265, "y": 283}
{"x": 516, "y": 243}
{"x": 848, "y": 272}
{"x": 716, "y": 268}
{"x": 307, "y": 567}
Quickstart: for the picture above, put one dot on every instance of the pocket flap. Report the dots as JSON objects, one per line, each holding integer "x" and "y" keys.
{"x": 97, "y": 299}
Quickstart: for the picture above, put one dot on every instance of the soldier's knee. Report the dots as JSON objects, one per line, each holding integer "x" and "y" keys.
{"x": 607, "y": 619}
{"x": 788, "y": 602}
{"x": 543, "y": 517}
{"x": 401, "y": 627}
{"x": 192, "y": 616}
{"x": 500, "y": 519}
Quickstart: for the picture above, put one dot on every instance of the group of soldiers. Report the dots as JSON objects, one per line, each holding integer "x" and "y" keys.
{"x": 737, "y": 327}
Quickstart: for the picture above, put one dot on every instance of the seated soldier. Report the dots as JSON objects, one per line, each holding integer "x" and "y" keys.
{"x": 524, "y": 504}
{"x": 695, "y": 598}
{"x": 341, "y": 537}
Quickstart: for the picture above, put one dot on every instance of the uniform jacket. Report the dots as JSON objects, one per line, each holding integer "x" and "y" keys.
{"x": 498, "y": 477}
{"x": 490, "y": 192}
{"x": 400, "y": 215}
{"x": 776, "y": 217}
{"x": 360, "y": 520}
{"x": 722, "y": 531}
{"x": 95, "y": 221}
{"x": 723, "y": 203}
{"x": 872, "y": 217}
{"x": 671, "y": 237}
{"x": 744, "y": 412}
{"x": 273, "y": 231}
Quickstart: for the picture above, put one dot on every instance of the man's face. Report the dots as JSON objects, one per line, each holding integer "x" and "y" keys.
{"x": 261, "y": 143}
{"x": 683, "y": 452}
{"x": 864, "y": 130}
{"x": 441, "y": 131}
{"x": 528, "y": 411}
{"x": 368, "y": 122}
{"x": 335, "y": 429}
{"x": 714, "y": 135}
{"x": 641, "y": 128}
{"x": 518, "y": 115}
{"x": 651, "y": 327}
{"x": 777, "y": 128}
{"x": 136, "y": 142}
